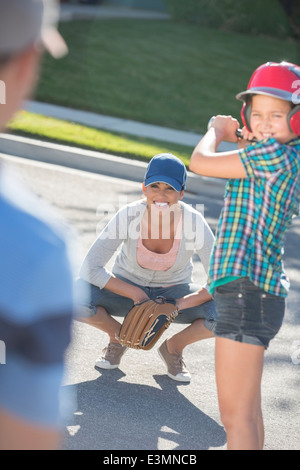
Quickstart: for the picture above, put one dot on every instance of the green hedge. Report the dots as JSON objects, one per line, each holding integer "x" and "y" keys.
{"x": 266, "y": 17}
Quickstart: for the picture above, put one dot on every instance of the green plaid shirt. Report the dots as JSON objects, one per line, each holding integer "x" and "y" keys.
{"x": 256, "y": 214}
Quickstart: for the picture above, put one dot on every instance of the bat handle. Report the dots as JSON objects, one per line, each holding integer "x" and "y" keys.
{"x": 239, "y": 133}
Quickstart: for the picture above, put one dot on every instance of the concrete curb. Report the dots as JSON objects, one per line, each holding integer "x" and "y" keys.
{"x": 71, "y": 12}
{"x": 97, "y": 162}
{"x": 113, "y": 124}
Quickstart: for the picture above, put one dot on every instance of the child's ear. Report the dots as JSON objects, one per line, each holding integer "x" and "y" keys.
{"x": 144, "y": 187}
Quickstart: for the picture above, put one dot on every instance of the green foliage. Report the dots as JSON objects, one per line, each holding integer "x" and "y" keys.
{"x": 252, "y": 17}
{"x": 294, "y": 19}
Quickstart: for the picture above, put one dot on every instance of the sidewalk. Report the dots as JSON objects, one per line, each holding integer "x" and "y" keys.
{"x": 75, "y": 11}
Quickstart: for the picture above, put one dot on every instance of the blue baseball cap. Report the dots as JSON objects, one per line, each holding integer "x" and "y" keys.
{"x": 166, "y": 168}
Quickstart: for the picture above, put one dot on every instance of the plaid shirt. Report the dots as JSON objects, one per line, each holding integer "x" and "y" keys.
{"x": 256, "y": 214}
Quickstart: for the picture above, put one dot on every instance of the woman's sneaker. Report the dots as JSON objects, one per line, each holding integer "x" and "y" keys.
{"x": 111, "y": 356}
{"x": 175, "y": 365}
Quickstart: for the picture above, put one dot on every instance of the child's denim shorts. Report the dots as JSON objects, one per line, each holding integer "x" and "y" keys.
{"x": 117, "y": 305}
{"x": 246, "y": 313}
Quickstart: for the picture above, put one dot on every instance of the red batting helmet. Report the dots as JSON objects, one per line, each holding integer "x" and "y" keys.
{"x": 279, "y": 80}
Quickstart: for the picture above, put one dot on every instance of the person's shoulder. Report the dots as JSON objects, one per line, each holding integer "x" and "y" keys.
{"x": 25, "y": 219}
{"x": 294, "y": 144}
{"x": 285, "y": 150}
{"x": 270, "y": 144}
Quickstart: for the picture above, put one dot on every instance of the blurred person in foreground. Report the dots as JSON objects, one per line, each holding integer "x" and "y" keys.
{"x": 36, "y": 289}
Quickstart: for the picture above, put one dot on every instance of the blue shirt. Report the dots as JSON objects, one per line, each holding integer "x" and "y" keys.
{"x": 36, "y": 305}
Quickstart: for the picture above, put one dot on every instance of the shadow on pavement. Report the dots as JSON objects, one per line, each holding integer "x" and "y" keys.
{"x": 112, "y": 414}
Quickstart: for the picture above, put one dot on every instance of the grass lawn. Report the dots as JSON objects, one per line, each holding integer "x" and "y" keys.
{"x": 160, "y": 72}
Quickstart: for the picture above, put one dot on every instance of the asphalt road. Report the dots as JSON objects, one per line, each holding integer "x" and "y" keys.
{"x": 137, "y": 407}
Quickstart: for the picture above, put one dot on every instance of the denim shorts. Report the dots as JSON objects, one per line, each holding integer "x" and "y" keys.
{"x": 246, "y": 313}
{"x": 117, "y": 305}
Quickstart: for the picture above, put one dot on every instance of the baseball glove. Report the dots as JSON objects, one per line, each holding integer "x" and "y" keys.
{"x": 145, "y": 323}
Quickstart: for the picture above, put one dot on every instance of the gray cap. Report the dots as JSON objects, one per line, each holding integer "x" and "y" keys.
{"x": 25, "y": 22}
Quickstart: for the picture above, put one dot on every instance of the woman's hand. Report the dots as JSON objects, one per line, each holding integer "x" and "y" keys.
{"x": 126, "y": 289}
{"x": 139, "y": 296}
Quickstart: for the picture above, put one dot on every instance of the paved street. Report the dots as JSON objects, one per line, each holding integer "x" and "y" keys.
{"x": 138, "y": 406}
